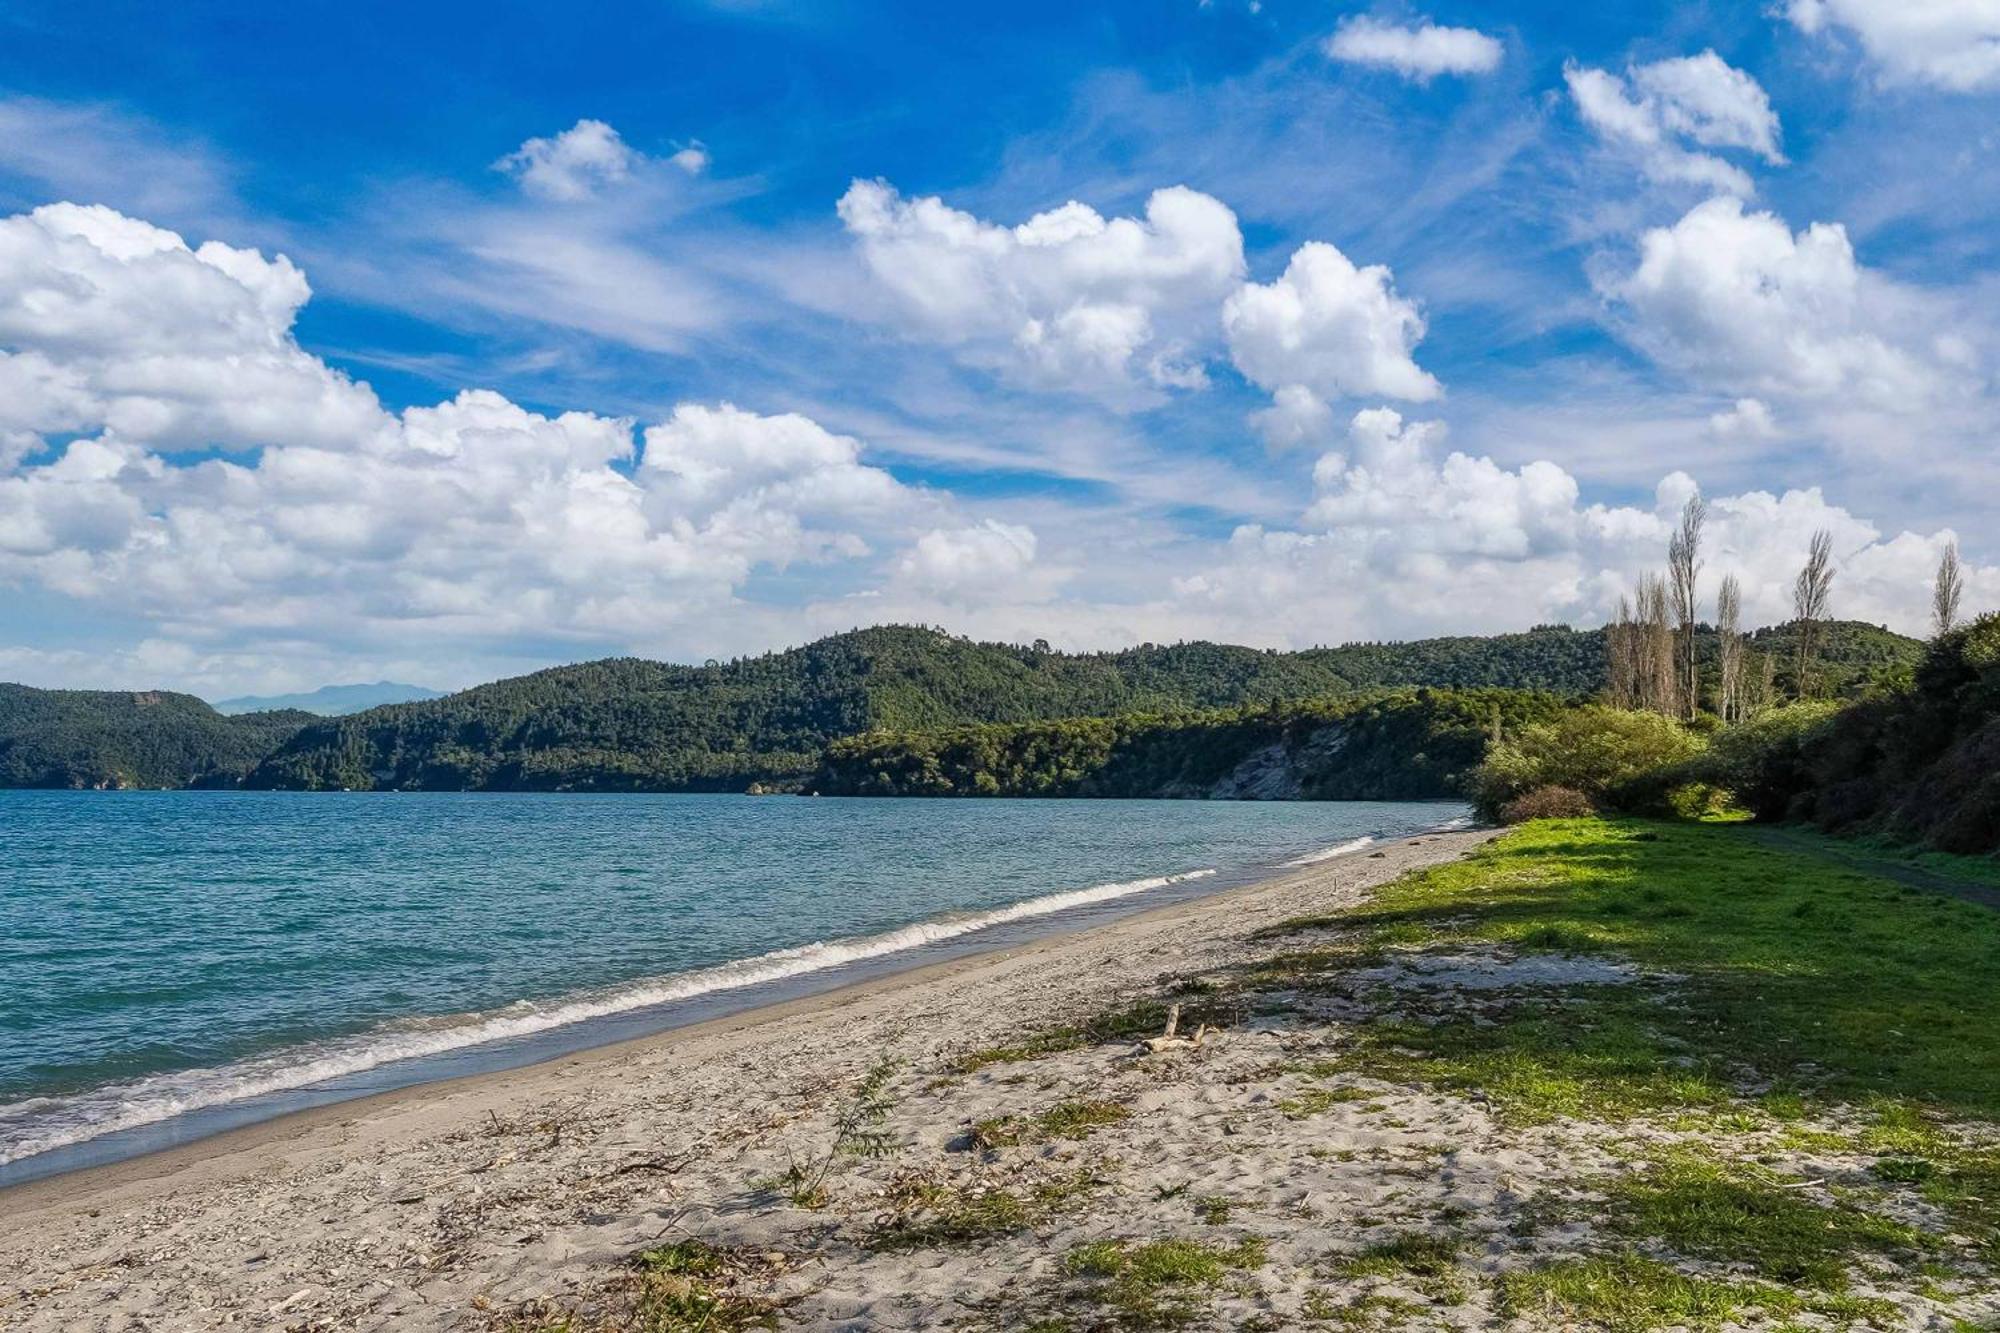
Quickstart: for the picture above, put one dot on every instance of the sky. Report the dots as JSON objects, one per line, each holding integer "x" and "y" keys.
{"x": 445, "y": 342}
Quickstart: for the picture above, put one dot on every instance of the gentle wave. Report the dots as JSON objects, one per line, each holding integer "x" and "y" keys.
{"x": 41, "y": 1124}
{"x": 1328, "y": 853}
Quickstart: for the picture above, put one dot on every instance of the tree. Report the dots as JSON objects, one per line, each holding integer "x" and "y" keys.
{"x": 1658, "y": 690}
{"x": 1729, "y": 649}
{"x": 1810, "y": 598}
{"x": 1683, "y": 575}
{"x": 1621, "y": 650}
{"x": 1946, "y": 592}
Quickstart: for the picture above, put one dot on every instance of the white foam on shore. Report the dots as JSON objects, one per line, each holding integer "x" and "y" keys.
{"x": 40, "y": 1124}
{"x": 1328, "y": 853}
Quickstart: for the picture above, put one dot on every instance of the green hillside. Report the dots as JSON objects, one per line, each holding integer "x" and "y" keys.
{"x": 1400, "y": 745}
{"x": 108, "y": 738}
{"x": 629, "y": 725}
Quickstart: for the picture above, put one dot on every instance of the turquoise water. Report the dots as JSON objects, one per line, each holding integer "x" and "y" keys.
{"x": 167, "y": 954}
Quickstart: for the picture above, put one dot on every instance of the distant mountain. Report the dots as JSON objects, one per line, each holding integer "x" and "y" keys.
{"x": 331, "y": 700}
{"x": 118, "y": 738}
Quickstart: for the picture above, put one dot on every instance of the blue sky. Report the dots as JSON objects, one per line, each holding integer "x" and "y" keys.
{"x": 692, "y": 330}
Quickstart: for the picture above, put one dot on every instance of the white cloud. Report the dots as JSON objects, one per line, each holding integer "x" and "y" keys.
{"x": 573, "y": 165}
{"x": 469, "y": 521}
{"x": 108, "y": 323}
{"x": 1420, "y": 52}
{"x": 693, "y": 159}
{"x": 1949, "y": 44}
{"x": 1746, "y": 419}
{"x": 1399, "y": 542}
{"x": 1323, "y": 330}
{"x": 1660, "y": 108}
{"x": 1741, "y": 301}
{"x": 1068, "y": 299}
{"x": 989, "y": 558}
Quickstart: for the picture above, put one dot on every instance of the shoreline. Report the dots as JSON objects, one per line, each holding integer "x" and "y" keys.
{"x": 347, "y": 1070}
{"x": 225, "y": 1222}
{"x": 170, "y": 1159}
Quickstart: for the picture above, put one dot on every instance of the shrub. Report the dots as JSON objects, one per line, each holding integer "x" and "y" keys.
{"x": 1598, "y": 751}
{"x": 1762, "y": 762}
{"x": 1550, "y": 802}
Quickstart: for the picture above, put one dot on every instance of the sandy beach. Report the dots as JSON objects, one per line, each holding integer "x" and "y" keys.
{"x": 990, "y": 1144}
{"x": 447, "y": 1205}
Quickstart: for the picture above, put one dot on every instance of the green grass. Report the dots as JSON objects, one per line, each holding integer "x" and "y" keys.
{"x": 1153, "y": 1285}
{"x": 1065, "y": 1120}
{"x": 1427, "y": 1261}
{"x": 1806, "y": 978}
{"x": 1630, "y": 1293}
{"x": 1705, "y": 1208}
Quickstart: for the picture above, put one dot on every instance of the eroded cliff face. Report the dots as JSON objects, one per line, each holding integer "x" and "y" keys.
{"x": 1280, "y": 771}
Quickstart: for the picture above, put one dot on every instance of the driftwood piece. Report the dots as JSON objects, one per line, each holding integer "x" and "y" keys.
{"x": 1170, "y": 1040}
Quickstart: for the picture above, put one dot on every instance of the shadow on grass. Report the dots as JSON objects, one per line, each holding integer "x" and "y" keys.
{"x": 1789, "y": 974}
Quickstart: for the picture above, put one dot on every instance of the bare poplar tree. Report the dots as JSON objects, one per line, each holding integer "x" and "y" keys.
{"x": 1764, "y": 685}
{"x": 1657, "y": 674}
{"x": 1621, "y": 648}
{"x": 1729, "y": 649}
{"x": 1683, "y": 575}
{"x": 1810, "y": 598}
{"x": 1947, "y": 591}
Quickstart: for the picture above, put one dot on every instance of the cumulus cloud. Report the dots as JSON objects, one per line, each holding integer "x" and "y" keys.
{"x": 473, "y": 519}
{"x": 1068, "y": 299}
{"x": 1740, "y": 300}
{"x": 108, "y": 323}
{"x": 1655, "y": 111}
{"x": 1949, "y": 44}
{"x": 1324, "y": 329}
{"x": 988, "y": 557}
{"x": 1399, "y": 541}
{"x": 1420, "y": 52}
{"x": 573, "y": 165}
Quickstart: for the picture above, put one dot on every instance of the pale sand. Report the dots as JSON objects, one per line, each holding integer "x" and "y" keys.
{"x": 417, "y": 1209}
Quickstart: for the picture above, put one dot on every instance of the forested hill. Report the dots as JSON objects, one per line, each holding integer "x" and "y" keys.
{"x": 626, "y": 724}
{"x": 1407, "y": 744}
{"x": 107, "y": 738}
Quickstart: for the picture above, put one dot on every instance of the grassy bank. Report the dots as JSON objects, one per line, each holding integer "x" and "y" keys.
{"x": 1810, "y": 979}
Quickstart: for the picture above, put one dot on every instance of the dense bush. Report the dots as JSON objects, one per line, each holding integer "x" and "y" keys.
{"x": 1604, "y": 753}
{"x": 1395, "y": 745}
{"x": 1761, "y": 762}
{"x": 1917, "y": 764}
{"x": 1550, "y": 802}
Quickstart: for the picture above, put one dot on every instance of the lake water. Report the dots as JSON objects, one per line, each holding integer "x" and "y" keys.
{"x": 175, "y": 963}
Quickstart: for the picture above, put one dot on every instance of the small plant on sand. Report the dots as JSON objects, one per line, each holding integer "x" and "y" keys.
{"x": 1313, "y": 1101}
{"x": 690, "y": 1287}
{"x": 927, "y": 1212}
{"x": 1154, "y": 1285}
{"x": 1064, "y": 1120}
{"x": 857, "y": 1132}
{"x": 1428, "y": 1262}
{"x": 1368, "y": 1310}
{"x": 1143, "y": 1019}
